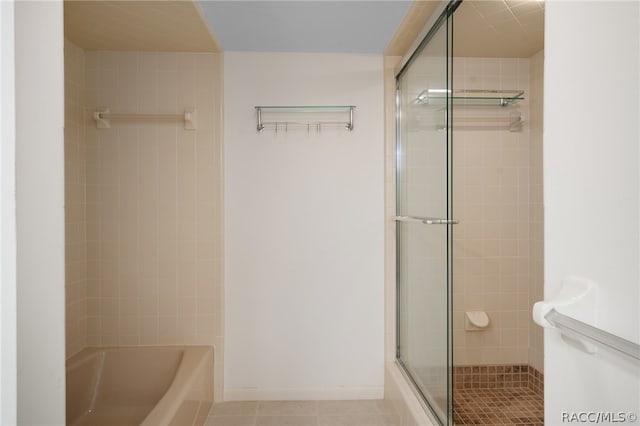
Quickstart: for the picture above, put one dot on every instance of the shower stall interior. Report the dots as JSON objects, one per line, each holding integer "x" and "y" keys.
{"x": 469, "y": 220}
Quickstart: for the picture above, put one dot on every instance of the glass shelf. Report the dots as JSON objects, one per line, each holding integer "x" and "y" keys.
{"x": 306, "y": 108}
{"x": 328, "y": 115}
{"x": 471, "y": 97}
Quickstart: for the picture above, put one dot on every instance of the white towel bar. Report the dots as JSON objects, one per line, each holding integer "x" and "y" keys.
{"x": 103, "y": 118}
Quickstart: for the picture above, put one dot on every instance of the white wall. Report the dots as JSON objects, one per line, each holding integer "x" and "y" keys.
{"x": 304, "y": 231}
{"x": 7, "y": 218}
{"x": 40, "y": 211}
{"x": 591, "y": 181}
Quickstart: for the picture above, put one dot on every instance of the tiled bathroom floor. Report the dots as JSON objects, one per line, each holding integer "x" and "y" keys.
{"x": 301, "y": 413}
{"x": 509, "y": 406}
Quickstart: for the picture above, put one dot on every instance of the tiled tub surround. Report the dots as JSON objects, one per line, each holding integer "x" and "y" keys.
{"x": 154, "y": 273}
{"x": 140, "y": 386}
{"x": 498, "y": 394}
{"x": 143, "y": 208}
{"x": 154, "y": 210}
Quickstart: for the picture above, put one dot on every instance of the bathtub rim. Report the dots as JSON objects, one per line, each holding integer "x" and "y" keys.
{"x": 194, "y": 358}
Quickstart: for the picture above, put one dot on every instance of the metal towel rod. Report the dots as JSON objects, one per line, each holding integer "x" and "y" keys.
{"x": 595, "y": 335}
{"x": 425, "y": 220}
{"x": 326, "y": 111}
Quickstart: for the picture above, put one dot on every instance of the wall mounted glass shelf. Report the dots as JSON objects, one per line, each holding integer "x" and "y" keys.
{"x": 471, "y": 97}
{"x": 283, "y": 116}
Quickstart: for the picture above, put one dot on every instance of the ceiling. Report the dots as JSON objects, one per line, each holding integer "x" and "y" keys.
{"x": 482, "y": 28}
{"x": 497, "y": 28}
{"x": 170, "y": 26}
{"x": 364, "y": 26}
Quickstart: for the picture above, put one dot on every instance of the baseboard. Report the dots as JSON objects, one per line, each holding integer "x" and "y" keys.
{"x": 302, "y": 394}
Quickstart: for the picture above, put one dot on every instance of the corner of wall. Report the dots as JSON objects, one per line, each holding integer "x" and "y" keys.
{"x": 536, "y": 207}
{"x": 39, "y": 89}
{"x": 75, "y": 165}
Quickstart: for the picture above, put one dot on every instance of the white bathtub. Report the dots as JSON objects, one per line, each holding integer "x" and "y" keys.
{"x": 149, "y": 386}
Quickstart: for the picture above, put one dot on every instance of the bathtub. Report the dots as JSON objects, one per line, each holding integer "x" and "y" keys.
{"x": 148, "y": 386}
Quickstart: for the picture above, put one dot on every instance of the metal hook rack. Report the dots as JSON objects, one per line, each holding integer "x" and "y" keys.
{"x": 331, "y": 117}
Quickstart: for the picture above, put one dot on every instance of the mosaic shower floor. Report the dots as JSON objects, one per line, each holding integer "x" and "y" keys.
{"x": 509, "y": 406}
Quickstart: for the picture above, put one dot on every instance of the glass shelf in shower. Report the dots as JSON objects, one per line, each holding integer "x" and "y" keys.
{"x": 471, "y": 97}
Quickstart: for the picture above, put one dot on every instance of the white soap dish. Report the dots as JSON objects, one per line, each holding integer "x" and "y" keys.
{"x": 476, "y": 320}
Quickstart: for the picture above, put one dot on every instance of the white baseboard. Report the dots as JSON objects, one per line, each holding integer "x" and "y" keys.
{"x": 302, "y": 394}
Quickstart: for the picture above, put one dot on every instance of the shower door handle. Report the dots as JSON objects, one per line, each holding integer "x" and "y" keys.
{"x": 426, "y": 220}
{"x": 434, "y": 221}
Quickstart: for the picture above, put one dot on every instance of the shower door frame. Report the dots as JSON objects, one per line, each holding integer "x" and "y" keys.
{"x": 444, "y": 19}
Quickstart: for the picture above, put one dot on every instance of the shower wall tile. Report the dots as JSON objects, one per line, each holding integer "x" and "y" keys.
{"x": 76, "y": 155}
{"x": 154, "y": 201}
{"x": 492, "y": 242}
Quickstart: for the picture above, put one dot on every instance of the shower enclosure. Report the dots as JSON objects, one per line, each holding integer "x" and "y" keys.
{"x": 424, "y": 221}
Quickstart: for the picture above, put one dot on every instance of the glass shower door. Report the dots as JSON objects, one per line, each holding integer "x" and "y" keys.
{"x": 424, "y": 222}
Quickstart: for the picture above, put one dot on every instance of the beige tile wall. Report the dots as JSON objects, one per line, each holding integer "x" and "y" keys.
{"x": 154, "y": 202}
{"x": 491, "y": 200}
{"x": 75, "y": 202}
{"x": 536, "y": 225}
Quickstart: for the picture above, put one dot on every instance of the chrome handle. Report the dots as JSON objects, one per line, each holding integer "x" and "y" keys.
{"x": 426, "y": 220}
{"x": 440, "y": 222}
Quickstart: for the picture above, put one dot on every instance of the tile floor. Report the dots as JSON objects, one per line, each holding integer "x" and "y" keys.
{"x": 509, "y": 406}
{"x": 302, "y": 413}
